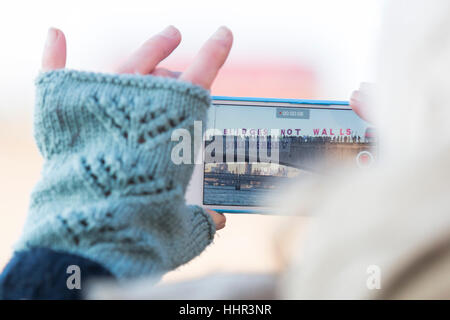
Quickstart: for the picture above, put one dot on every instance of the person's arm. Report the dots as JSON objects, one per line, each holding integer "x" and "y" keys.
{"x": 109, "y": 195}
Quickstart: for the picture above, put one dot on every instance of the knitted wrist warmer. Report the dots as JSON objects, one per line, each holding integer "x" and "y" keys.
{"x": 109, "y": 190}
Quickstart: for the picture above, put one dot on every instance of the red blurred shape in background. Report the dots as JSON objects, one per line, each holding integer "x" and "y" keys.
{"x": 262, "y": 78}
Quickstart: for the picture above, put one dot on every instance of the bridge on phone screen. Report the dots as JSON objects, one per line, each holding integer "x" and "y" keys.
{"x": 305, "y": 153}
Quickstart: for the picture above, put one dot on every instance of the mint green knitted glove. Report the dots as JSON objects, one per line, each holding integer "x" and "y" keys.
{"x": 109, "y": 190}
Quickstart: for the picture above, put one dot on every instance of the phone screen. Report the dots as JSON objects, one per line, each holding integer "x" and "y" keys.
{"x": 252, "y": 150}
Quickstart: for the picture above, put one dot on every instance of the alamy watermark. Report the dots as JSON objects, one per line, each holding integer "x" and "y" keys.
{"x": 74, "y": 280}
{"x": 249, "y": 146}
{"x": 373, "y": 281}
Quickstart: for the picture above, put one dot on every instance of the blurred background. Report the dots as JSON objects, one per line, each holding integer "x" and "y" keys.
{"x": 319, "y": 49}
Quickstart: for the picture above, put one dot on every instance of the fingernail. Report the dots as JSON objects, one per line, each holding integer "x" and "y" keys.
{"x": 221, "y": 34}
{"x": 170, "y": 32}
{"x": 52, "y": 35}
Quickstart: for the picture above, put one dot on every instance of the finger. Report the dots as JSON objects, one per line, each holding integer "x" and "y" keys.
{"x": 210, "y": 59}
{"x": 357, "y": 105}
{"x": 218, "y": 218}
{"x": 152, "y": 52}
{"x": 54, "y": 56}
{"x": 162, "y": 72}
{"x": 354, "y": 100}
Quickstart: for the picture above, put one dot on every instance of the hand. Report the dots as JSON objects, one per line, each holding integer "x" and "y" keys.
{"x": 359, "y": 101}
{"x": 201, "y": 72}
{"x": 144, "y": 60}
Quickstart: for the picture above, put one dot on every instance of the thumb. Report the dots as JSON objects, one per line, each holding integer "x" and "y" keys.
{"x": 218, "y": 218}
{"x": 54, "y": 56}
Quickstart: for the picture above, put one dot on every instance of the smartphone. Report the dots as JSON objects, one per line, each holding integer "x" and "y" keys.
{"x": 253, "y": 146}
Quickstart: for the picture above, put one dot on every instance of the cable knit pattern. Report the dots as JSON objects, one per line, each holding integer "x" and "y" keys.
{"x": 109, "y": 190}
